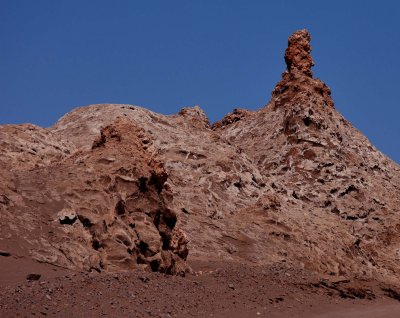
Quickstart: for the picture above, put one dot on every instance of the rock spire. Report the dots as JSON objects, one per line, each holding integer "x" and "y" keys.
{"x": 298, "y": 85}
{"x": 297, "y": 54}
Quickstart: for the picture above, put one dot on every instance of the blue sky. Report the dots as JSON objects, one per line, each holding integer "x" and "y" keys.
{"x": 163, "y": 55}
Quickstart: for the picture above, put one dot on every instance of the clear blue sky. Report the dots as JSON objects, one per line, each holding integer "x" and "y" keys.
{"x": 163, "y": 55}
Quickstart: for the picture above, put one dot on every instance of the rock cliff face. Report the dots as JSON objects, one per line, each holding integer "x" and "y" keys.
{"x": 114, "y": 187}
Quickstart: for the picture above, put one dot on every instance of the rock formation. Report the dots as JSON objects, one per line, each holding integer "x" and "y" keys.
{"x": 334, "y": 200}
{"x": 298, "y": 53}
{"x": 105, "y": 208}
{"x": 113, "y": 187}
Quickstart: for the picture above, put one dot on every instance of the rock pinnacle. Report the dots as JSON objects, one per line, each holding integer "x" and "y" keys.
{"x": 298, "y": 84}
{"x": 297, "y": 54}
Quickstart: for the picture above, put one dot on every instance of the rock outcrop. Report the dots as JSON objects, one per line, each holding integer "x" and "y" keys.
{"x": 106, "y": 208}
{"x": 298, "y": 53}
{"x": 328, "y": 181}
{"x": 114, "y": 187}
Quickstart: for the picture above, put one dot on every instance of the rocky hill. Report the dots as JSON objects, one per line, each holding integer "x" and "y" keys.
{"x": 117, "y": 187}
{"x": 334, "y": 202}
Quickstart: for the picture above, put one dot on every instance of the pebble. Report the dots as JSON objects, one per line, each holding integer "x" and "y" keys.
{"x": 144, "y": 279}
{"x": 33, "y": 276}
{"x": 4, "y": 253}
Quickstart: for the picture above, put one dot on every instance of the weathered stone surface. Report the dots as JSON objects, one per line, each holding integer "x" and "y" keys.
{"x": 326, "y": 180}
{"x": 108, "y": 215}
{"x": 232, "y": 118}
{"x": 298, "y": 53}
{"x": 293, "y": 182}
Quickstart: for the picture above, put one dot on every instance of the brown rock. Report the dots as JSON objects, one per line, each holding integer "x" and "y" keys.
{"x": 33, "y": 276}
{"x": 4, "y": 253}
{"x": 233, "y": 117}
{"x": 297, "y": 54}
{"x": 277, "y": 185}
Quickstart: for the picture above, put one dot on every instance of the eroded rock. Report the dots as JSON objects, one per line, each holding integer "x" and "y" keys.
{"x": 280, "y": 184}
{"x": 298, "y": 53}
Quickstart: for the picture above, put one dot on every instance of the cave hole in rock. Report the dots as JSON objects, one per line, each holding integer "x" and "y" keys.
{"x": 154, "y": 265}
{"x": 144, "y": 249}
{"x": 168, "y": 216}
{"x": 170, "y": 219}
{"x": 143, "y": 184}
{"x": 157, "y": 181}
{"x": 335, "y": 210}
{"x": 350, "y": 188}
{"x": 96, "y": 244}
{"x": 85, "y": 221}
{"x": 307, "y": 121}
{"x": 120, "y": 207}
{"x": 238, "y": 184}
{"x": 184, "y": 210}
{"x": 68, "y": 220}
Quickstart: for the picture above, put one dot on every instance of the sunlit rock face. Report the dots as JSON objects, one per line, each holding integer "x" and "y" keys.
{"x": 117, "y": 187}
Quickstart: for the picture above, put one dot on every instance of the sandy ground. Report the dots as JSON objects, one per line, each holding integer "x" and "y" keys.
{"x": 216, "y": 290}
